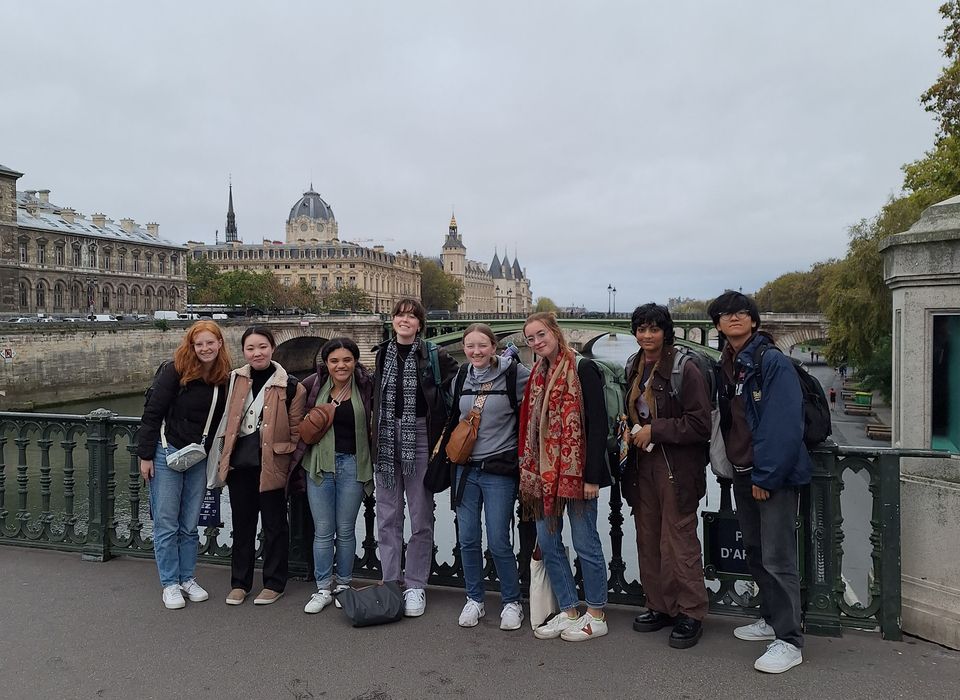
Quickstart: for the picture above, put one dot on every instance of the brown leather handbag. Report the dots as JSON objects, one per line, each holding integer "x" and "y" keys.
{"x": 463, "y": 437}
{"x": 316, "y": 423}
{"x": 319, "y": 418}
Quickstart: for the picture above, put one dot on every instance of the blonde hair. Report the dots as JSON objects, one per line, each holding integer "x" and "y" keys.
{"x": 548, "y": 319}
{"x": 188, "y": 365}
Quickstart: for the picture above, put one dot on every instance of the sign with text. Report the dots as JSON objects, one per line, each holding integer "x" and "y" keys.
{"x": 723, "y": 550}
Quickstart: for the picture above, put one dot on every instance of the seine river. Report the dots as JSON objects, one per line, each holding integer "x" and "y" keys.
{"x": 856, "y": 498}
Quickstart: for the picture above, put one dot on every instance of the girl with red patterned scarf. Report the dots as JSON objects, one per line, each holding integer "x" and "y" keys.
{"x": 563, "y": 466}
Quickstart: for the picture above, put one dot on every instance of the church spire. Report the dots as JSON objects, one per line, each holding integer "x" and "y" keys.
{"x": 231, "y": 230}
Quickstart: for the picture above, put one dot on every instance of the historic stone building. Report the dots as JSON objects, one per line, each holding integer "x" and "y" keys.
{"x": 501, "y": 288}
{"x": 56, "y": 261}
{"x": 313, "y": 253}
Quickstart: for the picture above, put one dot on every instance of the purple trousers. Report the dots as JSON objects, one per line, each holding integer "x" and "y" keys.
{"x": 390, "y": 504}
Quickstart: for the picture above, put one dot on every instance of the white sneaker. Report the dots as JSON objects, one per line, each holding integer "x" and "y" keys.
{"x": 173, "y": 598}
{"x": 511, "y": 616}
{"x": 472, "y": 612}
{"x": 340, "y": 587}
{"x": 318, "y": 601}
{"x": 554, "y": 627}
{"x": 414, "y": 602}
{"x": 758, "y": 631}
{"x": 780, "y": 656}
{"x": 587, "y": 627}
{"x": 194, "y": 592}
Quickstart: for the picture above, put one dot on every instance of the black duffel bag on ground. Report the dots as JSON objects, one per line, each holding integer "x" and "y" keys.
{"x": 373, "y": 605}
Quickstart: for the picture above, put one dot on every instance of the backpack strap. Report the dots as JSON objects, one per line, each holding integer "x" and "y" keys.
{"x": 512, "y": 384}
{"x": 433, "y": 351}
{"x": 758, "y": 360}
{"x": 680, "y": 358}
{"x": 291, "y": 389}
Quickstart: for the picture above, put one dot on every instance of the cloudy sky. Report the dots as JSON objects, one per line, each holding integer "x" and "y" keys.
{"x": 667, "y": 148}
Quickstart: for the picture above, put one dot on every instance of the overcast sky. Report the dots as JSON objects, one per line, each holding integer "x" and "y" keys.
{"x": 667, "y": 148}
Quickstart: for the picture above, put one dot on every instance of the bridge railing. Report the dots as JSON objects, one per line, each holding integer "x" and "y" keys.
{"x": 71, "y": 482}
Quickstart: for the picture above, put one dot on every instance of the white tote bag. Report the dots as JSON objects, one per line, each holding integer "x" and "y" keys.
{"x": 543, "y": 604}
{"x": 718, "y": 450}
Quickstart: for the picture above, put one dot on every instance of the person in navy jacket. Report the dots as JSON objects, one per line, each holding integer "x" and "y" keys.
{"x": 761, "y": 404}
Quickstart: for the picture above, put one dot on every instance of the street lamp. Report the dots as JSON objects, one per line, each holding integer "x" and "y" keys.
{"x": 614, "y": 300}
{"x": 609, "y": 289}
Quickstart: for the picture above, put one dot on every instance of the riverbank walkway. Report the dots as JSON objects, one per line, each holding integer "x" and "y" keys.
{"x": 75, "y": 629}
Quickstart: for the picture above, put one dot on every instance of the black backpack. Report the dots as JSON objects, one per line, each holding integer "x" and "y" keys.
{"x": 156, "y": 375}
{"x": 817, "y": 425}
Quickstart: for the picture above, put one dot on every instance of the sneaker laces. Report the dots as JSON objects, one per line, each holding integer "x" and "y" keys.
{"x": 777, "y": 647}
{"x": 471, "y": 605}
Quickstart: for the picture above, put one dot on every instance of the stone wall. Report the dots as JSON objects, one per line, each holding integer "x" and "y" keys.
{"x": 52, "y": 363}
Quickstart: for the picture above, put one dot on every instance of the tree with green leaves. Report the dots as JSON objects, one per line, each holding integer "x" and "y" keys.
{"x": 438, "y": 290}
{"x": 545, "y": 304}
{"x": 201, "y": 281}
{"x": 348, "y": 297}
{"x": 855, "y": 298}
{"x": 796, "y": 292}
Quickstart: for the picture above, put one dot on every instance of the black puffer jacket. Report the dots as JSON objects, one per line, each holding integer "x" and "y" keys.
{"x": 184, "y": 408}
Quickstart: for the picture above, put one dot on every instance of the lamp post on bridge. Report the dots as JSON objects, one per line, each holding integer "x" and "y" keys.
{"x": 614, "y": 300}
{"x": 609, "y": 289}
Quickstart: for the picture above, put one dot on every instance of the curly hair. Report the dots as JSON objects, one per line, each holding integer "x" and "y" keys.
{"x": 188, "y": 365}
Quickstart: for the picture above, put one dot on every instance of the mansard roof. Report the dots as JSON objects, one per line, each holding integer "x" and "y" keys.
{"x": 34, "y": 214}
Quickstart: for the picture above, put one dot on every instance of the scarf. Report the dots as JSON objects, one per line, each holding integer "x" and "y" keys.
{"x": 552, "y": 439}
{"x": 319, "y": 460}
{"x": 386, "y": 430}
{"x": 640, "y": 389}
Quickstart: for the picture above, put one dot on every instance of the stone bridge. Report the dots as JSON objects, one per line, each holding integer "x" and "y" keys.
{"x": 51, "y": 363}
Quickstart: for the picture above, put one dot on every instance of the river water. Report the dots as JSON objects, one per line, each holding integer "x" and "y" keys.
{"x": 857, "y": 563}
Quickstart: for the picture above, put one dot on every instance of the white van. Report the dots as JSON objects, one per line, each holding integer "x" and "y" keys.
{"x": 104, "y": 317}
{"x": 165, "y": 316}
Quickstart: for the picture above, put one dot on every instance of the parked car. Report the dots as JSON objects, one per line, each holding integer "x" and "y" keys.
{"x": 23, "y": 319}
{"x": 102, "y": 318}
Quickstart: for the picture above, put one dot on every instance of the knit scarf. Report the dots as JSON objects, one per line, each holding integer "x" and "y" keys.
{"x": 552, "y": 439}
{"x": 386, "y": 430}
{"x": 638, "y": 388}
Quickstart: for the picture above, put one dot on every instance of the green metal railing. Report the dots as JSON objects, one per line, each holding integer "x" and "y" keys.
{"x": 77, "y": 487}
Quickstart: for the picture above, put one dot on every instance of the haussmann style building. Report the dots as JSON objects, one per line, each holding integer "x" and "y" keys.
{"x": 313, "y": 253}
{"x": 55, "y": 261}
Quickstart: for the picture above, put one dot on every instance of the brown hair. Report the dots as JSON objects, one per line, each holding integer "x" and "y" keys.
{"x": 480, "y": 328}
{"x": 412, "y": 306}
{"x": 188, "y": 365}
{"x": 549, "y": 319}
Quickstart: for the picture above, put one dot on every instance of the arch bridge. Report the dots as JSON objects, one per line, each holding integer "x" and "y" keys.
{"x": 788, "y": 329}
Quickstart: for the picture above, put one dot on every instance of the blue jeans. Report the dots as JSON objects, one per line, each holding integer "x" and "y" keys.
{"x": 586, "y": 543}
{"x": 496, "y": 495}
{"x": 175, "y": 499}
{"x": 334, "y": 504}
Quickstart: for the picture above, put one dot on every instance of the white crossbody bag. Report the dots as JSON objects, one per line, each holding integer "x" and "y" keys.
{"x": 186, "y": 457}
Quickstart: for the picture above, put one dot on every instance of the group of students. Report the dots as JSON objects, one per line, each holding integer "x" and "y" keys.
{"x": 542, "y": 438}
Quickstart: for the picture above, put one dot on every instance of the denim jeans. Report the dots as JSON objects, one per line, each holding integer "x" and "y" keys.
{"x": 496, "y": 495}
{"x": 586, "y": 543}
{"x": 334, "y": 504}
{"x": 175, "y": 499}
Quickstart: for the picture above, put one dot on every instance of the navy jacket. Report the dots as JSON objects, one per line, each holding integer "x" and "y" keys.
{"x": 774, "y": 413}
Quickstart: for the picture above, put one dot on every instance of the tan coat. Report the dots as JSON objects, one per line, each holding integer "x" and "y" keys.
{"x": 279, "y": 431}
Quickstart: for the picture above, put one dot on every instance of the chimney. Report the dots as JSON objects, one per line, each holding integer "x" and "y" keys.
{"x": 68, "y": 214}
{"x": 128, "y": 225}
{"x": 44, "y": 196}
{"x": 153, "y": 229}
{"x": 99, "y": 220}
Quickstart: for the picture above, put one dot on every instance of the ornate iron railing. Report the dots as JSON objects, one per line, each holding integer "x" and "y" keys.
{"x": 108, "y": 516}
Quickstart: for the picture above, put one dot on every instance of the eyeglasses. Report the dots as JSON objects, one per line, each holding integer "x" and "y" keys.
{"x": 538, "y": 336}
{"x": 741, "y": 314}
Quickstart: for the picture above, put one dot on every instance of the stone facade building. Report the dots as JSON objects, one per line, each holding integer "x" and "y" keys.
{"x": 313, "y": 253}
{"x": 56, "y": 261}
{"x": 501, "y": 288}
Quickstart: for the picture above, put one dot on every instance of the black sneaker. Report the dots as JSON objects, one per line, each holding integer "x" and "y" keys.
{"x": 686, "y": 633}
{"x": 651, "y": 621}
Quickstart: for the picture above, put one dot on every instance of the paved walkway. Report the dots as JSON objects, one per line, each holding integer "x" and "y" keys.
{"x": 74, "y": 629}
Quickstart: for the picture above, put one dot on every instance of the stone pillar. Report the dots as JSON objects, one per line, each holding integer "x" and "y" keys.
{"x": 922, "y": 269}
